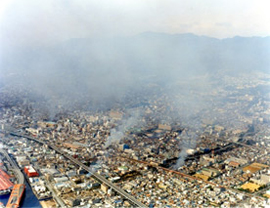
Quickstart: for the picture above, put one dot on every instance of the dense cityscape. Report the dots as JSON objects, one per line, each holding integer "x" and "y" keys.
{"x": 146, "y": 151}
{"x": 138, "y": 103}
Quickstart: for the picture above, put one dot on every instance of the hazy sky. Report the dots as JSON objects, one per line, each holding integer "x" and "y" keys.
{"x": 24, "y": 22}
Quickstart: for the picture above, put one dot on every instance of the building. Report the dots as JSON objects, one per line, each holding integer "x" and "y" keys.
{"x": 254, "y": 167}
{"x": 5, "y": 183}
{"x": 164, "y": 127}
{"x": 23, "y": 163}
{"x": 61, "y": 179}
{"x": 201, "y": 176}
{"x": 234, "y": 164}
{"x": 116, "y": 115}
{"x": 104, "y": 188}
{"x": 252, "y": 187}
{"x": 30, "y": 171}
{"x": 265, "y": 178}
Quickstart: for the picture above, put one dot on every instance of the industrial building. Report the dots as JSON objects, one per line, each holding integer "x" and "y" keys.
{"x": 30, "y": 171}
{"x": 5, "y": 184}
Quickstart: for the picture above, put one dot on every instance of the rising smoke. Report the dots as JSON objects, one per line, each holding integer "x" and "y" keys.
{"x": 104, "y": 73}
{"x": 116, "y": 134}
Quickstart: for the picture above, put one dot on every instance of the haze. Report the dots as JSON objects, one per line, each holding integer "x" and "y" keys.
{"x": 38, "y": 22}
{"x": 107, "y": 55}
{"x": 103, "y": 49}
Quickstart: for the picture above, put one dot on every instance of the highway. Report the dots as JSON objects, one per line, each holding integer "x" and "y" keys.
{"x": 58, "y": 199}
{"x": 120, "y": 191}
{"x": 19, "y": 174}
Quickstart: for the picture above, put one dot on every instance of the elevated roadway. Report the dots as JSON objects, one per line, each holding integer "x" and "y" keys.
{"x": 120, "y": 191}
{"x": 57, "y": 198}
{"x": 17, "y": 170}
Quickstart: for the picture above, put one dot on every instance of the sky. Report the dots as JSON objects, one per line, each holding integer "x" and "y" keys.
{"x": 39, "y": 22}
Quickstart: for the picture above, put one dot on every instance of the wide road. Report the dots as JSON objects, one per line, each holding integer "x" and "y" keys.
{"x": 120, "y": 191}
{"x": 19, "y": 174}
{"x": 57, "y": 198}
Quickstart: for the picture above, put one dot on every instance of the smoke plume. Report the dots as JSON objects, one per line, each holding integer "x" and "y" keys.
{"x": 118, "y": 133}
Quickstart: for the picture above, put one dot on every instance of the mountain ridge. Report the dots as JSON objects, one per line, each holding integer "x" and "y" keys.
{"x": 147, "y": 51}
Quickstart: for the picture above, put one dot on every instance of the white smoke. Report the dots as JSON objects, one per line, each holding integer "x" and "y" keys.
{"x": 188, "y": 142}
{"x": 117, "y": 134}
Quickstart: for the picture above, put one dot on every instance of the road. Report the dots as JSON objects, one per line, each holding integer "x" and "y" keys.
{"x": 58, "y": 199}
{"x": 17, "y": 170}
{"x": 120, "y": 191}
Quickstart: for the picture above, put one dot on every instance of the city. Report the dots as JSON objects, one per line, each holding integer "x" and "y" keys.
{"x": 138, "y": 103}
{"x": 128, "y": 156}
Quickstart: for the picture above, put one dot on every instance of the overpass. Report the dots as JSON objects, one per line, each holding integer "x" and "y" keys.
{"x": 17, "y": 170}
{"x": 120, "y": 191}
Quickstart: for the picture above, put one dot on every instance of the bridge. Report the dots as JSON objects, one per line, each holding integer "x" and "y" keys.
{"x": 100, "y": 178}
{"x": 18, "y": 189}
